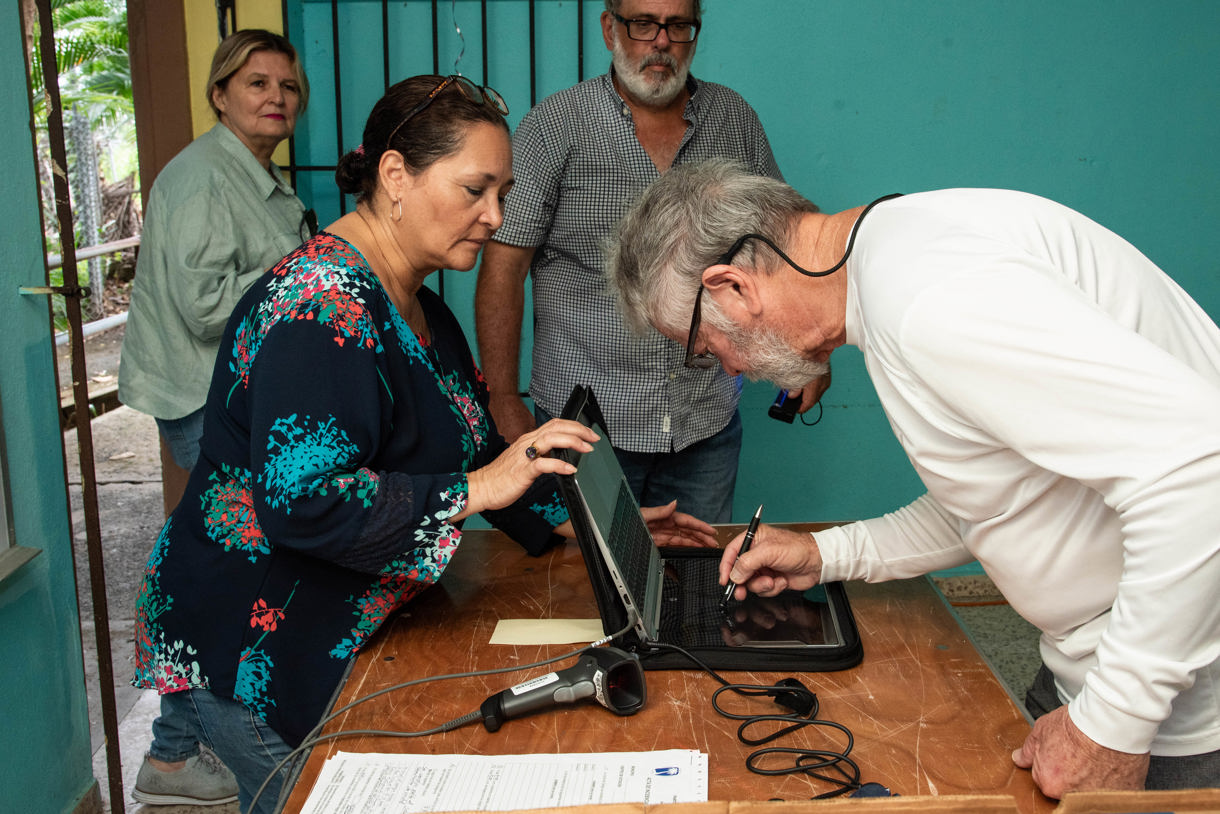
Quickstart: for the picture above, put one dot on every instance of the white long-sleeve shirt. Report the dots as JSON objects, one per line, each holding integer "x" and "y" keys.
{"x": 1059, "y": 396}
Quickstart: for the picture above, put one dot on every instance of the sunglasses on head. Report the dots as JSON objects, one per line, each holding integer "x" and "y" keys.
{"x": 477, "y": 94}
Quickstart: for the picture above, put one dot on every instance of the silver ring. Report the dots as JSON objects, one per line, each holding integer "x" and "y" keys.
{"x": 531, "y": 452}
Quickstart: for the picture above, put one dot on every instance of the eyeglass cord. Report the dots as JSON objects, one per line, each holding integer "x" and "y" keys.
{"x": 851, "y": 242}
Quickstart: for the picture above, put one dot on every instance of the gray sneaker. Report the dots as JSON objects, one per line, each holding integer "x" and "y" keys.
{"x": 203, "y": 781}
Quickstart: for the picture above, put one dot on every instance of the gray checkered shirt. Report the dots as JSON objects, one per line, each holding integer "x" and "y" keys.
{"x": 578, "y": 165}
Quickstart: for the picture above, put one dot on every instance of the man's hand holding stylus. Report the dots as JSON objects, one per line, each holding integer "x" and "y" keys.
{"x": 779, "y": 559}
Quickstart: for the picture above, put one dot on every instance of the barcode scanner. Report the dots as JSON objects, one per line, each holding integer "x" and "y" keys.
{"x": 612, "y": 677}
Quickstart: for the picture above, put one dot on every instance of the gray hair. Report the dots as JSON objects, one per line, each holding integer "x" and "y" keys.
{"x": 613, "y": 6}
{"x": 682, "y": 224}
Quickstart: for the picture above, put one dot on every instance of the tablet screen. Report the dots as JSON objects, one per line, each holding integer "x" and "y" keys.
{"x": 792, "y": 619}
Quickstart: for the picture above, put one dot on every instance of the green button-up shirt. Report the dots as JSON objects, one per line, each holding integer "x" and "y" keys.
{"x": 214, "y": 222}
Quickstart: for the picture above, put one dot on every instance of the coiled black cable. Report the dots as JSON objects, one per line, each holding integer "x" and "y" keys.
{"x": 829, "y": 765}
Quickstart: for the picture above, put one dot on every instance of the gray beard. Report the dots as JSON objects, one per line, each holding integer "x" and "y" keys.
{"x": 640, "y": 86}
{"x": 766, "y": 356}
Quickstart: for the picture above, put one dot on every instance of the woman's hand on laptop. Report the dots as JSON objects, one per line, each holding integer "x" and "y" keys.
{"x": 506, "y": 478}
{"x": 672, "y": 527}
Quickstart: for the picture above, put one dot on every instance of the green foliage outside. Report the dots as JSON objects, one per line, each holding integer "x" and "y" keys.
{"x": 91, "y": 52}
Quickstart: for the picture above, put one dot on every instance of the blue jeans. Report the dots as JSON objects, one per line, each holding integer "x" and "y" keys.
{"x": 182, "y": 436}
{"x": 173, "y": 738}
{"x": 240, "y": 738}
{"x": 701, "y": 477}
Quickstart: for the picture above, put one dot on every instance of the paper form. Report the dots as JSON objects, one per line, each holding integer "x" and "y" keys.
{"x": 356, "y": 782}
{"x": 546, "y": 631}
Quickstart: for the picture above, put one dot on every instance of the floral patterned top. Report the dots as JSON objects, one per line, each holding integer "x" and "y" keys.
{"x": 335, "y": 450}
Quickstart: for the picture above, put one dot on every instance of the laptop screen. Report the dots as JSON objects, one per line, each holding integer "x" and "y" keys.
{"x": 615, "y": 514}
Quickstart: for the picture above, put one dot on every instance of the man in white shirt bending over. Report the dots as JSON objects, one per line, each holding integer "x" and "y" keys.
{"x": 1056, "y": 392}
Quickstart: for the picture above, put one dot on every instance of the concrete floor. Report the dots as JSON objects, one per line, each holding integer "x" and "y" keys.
{"x": 130, "y": 513}
{"x": 128, "y": 475}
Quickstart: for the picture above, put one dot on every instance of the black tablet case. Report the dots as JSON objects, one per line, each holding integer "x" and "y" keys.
{"x": 582, "y": 406}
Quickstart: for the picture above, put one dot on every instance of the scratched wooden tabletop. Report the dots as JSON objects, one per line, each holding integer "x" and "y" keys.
{"x": 927, "y": 714}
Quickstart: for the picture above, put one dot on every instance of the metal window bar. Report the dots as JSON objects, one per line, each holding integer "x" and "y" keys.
{"x": 441, "y": 27}
{"x": 334, "y": 38}
{"x": 84, "y": 253}
{"x": 54, "y": 261}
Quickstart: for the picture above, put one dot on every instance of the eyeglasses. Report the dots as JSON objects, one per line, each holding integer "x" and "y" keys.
{"x": 707, "y": 361}
{"x": 478, "y": 94}
{"x": 698, "y": 361}
{"x": 681, "y": 31}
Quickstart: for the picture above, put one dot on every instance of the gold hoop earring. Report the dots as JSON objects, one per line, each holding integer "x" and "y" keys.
{"x": 396, "y": 212}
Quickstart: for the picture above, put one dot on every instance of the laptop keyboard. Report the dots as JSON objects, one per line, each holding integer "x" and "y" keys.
{"x": 631, "y": 544}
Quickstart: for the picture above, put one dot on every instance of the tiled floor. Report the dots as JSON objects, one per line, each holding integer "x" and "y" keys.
{"x": 1008, "y": 642}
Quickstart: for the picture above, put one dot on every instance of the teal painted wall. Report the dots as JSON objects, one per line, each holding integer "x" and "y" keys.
{"x": 1109, "y": 106}
{"x": 45, "y": 756}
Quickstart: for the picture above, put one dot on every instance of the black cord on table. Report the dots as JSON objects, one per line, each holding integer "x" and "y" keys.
{"x": 804, "y": 707}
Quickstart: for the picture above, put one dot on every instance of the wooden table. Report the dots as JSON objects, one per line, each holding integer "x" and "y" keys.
{"x": 928, "y": 715}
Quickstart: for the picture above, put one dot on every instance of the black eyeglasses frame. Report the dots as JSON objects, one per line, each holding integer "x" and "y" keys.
{"x": 697, "y": 361}
{"x": 694, "y": 26}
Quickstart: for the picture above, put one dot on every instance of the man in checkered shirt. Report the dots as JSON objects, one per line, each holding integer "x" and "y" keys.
{"x": 580, "y": 157}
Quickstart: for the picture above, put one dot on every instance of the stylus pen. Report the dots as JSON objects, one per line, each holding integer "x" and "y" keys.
{"x": 745, "y": 546}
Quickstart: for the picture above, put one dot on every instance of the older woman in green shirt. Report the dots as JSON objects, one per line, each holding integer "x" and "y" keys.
{"x": 219, "y": 215}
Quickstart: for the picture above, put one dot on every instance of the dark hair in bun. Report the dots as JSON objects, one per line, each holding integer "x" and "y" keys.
{"x": 434, "y": 133}
{"x": 350, "y": 172}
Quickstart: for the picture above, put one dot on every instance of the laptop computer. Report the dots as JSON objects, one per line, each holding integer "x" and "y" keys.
{"x": 669, "y": 599}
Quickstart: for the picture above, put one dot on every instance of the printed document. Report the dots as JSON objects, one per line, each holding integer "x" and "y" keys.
{"x": 354, "y": 782}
